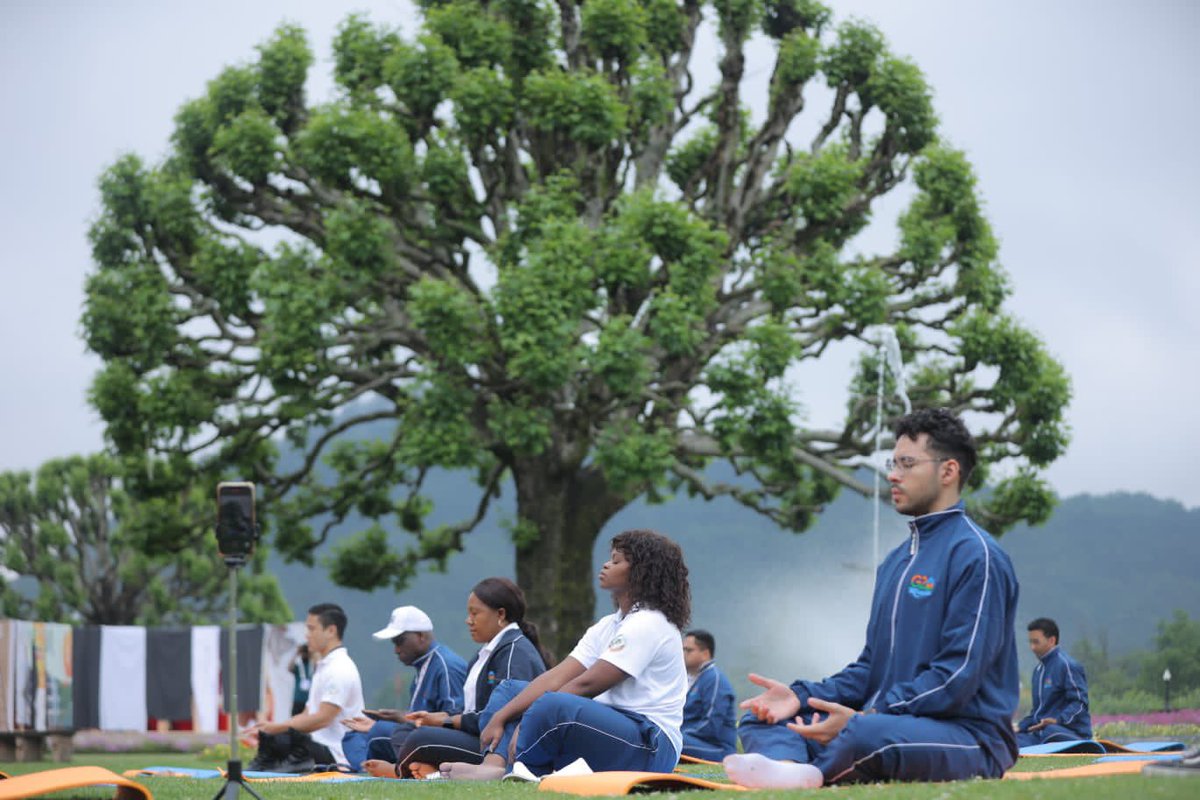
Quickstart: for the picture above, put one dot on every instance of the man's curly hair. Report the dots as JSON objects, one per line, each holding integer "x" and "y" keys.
{"x": 658, "y": 578}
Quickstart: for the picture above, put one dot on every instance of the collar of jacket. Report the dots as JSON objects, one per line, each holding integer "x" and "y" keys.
{"x": 928, "y": 524}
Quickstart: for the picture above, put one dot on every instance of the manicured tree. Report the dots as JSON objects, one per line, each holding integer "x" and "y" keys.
{"x": 526, "y": 244}
{"x": 73, "y": 530}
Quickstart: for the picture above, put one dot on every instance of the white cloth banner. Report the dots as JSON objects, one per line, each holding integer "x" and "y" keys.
{"x": 24, "y": 676}
{"x": 122, "y": 678}
{"x": 278, "y": 684}
{"x": 206, "y": 677}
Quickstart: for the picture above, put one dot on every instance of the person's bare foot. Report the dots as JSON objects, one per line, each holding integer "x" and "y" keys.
{"x": 461, "y": 771}
{"x": 756, "y": 771}
{"x": 378, "y": 768}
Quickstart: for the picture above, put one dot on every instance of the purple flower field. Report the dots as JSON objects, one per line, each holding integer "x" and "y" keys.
{"x": 1185, "y": 716}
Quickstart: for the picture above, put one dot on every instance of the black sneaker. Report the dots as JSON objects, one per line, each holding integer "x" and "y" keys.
{"x": 1188, "y": 766}
{"x": 296, "y": 764}
{"x": 263, "y": 763}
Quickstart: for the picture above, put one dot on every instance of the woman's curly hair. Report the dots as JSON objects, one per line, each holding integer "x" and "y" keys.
{"x": 658, "y": 578}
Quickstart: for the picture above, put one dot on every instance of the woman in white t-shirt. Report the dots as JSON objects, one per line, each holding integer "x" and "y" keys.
{"x": 617, "y": 700}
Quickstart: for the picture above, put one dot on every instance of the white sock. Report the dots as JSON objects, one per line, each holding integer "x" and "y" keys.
{"x": 756, "y": 771}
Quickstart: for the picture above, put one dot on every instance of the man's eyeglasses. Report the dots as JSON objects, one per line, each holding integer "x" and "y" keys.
{"x": 905, "y": 463}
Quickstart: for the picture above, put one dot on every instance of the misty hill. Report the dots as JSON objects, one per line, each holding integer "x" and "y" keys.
{"x": 793, "y": 605}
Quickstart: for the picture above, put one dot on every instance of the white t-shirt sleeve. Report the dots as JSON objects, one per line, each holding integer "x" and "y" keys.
{"x": 338, "y": 690}
{"x": 634, "y": 644}
{"x": 593, "y": 643}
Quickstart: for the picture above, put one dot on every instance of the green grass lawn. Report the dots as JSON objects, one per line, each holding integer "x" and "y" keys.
{"x": 1122, "y": 787}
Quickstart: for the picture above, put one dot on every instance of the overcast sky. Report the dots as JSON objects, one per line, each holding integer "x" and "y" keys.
{"x": 1081, "y": 119}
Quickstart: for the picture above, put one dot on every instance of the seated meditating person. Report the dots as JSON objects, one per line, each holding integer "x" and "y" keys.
{"x": 314, "y": 735}
{"x": 1059, "y": 689}
{"x": 437, "y": 686}
{"x": 932, "y": 694}
{"x": 511, "y": 651}
{"x": 617, "y": 699}
{"x": 709, "y": 716}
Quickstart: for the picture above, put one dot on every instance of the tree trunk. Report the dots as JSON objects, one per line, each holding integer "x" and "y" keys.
{"x": 555, "y": 567}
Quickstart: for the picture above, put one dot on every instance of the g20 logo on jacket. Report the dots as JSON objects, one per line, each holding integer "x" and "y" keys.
{"x": 921, "y": 586}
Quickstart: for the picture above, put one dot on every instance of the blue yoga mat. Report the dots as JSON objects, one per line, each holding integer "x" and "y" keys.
{"x": 1084, "y": 746}
{"x": 1064, "y": 747}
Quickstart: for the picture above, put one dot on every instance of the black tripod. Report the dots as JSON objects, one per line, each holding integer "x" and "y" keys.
{"x": 234, "y": 780}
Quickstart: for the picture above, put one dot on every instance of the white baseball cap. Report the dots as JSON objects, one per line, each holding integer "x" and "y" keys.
{"x": 405, "y": 619}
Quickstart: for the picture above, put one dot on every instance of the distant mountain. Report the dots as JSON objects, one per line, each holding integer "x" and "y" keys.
{"x": 795, "y": 605}
{"x": 1110, "y": 566}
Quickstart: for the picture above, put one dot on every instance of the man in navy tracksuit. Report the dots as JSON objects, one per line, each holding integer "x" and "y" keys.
{"x": 709, "y": 715}
{"x": 438, "y": 685}
{"x": 1060, "y": 693}
{"x": 932, "y": 695}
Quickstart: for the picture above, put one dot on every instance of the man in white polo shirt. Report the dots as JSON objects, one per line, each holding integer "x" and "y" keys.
{"x": 314, "y": 736}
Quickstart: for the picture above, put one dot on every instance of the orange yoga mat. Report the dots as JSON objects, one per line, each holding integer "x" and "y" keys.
{"x": 610, "y": 783}
{"x": 57, "y": 780}
{"x": 1087, "y": 771}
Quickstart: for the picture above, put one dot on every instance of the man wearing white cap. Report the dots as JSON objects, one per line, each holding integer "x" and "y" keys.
{"x": 441, "y": 672}
{"x": 438, "y": 685}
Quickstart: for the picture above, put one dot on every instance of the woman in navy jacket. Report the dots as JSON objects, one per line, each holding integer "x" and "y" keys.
{"x": 511, "y": 650}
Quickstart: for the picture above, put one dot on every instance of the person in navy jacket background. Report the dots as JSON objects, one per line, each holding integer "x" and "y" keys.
{"x": 709, "y": 714}
{"x": 437, "y": 686}
{"x": 511, "y": 651}
{"x": 933, "y": 693}
{"x": 1059, "y": 689}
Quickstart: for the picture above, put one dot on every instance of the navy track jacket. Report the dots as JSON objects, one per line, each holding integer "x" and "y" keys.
{"x": 940, "y": 640}
{"x": 1060, "y": 691}
{"x": 441, "y": 673}
{"x": 710, "y": 712}
{"x": 515, "y": 658}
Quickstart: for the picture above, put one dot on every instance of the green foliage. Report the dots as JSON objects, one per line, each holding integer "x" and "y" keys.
{"x": 483, "y": 103}
{"x": 283, "y": 64}
{"x": 737, "y": 18}
{"x": 471, "y": 257}
{"x": 359, "y": 52}
{"x": 798, "y": 55}
{"x": 784, "y": 17}
{"x": 342, "y": 146}
{"x": 1133, "y": 682}
{"x": 665, "y": 26}
{"x": 1176, "y": 648}
{"x": 102, "y": 557}
{"x": 898, "y": 88}
{"x": 573, "y": 107}
{"x": 614, "y": 30}
{"x": 854, "y": 55}
{"x": 419, "y": 77}
{"x": 821, "y": 188}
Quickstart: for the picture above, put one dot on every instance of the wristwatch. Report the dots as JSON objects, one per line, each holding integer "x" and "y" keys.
{"x": 449, "y": 723}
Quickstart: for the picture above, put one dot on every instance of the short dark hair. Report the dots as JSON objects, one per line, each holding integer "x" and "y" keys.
{"x": 948, "y": 437}
{"x": 1047, "y": 626}
{"x": 704, "y": 639}
{"x": 330, "y": 614}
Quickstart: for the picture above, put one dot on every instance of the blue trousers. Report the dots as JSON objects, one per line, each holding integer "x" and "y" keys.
{"x": 1050, "y": 733}
{"x": 699, "y": 748}
{"x": 376, "y": 743}
{"x": 885, "y": 747}
{"x": 559, "y": 728}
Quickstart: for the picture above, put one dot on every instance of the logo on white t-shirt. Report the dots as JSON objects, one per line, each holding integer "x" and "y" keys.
{"x": 617, "y": 644}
